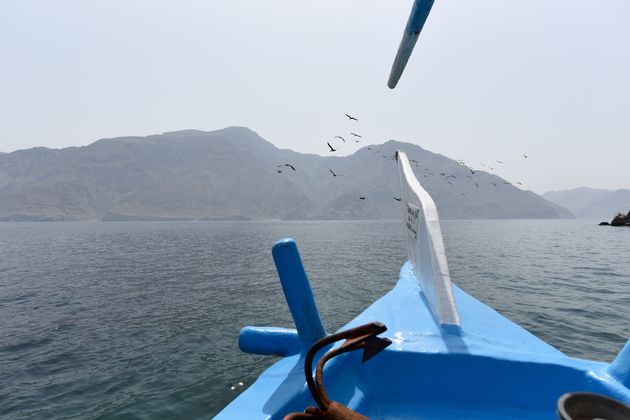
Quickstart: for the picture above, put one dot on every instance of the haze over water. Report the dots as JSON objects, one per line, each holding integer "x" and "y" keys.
{"x": 140, "y": 320}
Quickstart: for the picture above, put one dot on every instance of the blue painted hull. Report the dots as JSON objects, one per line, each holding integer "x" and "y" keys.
{"x": 493, "y": 370}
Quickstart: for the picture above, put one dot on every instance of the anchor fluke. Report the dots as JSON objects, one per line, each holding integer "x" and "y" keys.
{"x": 373, "y": 346}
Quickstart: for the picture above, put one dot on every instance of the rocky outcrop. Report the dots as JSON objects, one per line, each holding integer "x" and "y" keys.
{"x": 620, "y": 220}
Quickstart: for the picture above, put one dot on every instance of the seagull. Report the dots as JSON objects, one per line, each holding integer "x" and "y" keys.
{"x": 498, "y": 161}
{"x": 334, "y": 174}
{"x": 472, "y": 172}
{"x": 361, "y": 198}
{"x": 331, "y": 148}
{"x": 279, "y": 171}
{"x": 350, "y": 117}
{"x": 525, "y": 156}
{"x": 519, "y": 183}
{"x": 397, "y": 199}
{"x": 477, "y": 185}
{"x": 342, "y": 139}
{"x": 493, "y": 184}
{"x": 356, "y": 135}
{"x": 290, "y": 166}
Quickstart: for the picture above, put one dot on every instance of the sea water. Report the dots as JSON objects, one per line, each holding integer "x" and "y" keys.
{"x": 140, "y": 320}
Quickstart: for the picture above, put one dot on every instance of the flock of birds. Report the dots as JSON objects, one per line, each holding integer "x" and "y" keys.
{"x": 448, "y": 178}
{"x": 355, "y": 136}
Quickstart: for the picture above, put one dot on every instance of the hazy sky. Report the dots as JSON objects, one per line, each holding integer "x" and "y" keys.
{"x": 489, "y": 79}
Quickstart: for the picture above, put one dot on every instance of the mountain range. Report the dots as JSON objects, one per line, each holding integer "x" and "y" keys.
{"x": 592, "y": 203}
{"x": 233, "y": 173}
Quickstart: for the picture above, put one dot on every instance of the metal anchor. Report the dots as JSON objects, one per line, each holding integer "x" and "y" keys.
{"x": 362, "y": 337}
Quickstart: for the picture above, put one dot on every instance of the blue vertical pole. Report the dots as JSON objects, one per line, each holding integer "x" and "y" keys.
{"x": 297, "y": 291}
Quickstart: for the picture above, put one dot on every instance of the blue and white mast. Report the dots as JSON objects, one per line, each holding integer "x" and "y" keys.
{"x": 419, "y": 14}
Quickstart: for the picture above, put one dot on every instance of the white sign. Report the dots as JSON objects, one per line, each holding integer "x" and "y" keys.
{"x": 411, "y": 220}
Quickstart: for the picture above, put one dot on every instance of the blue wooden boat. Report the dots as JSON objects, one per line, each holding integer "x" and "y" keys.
{"x": 451, "y": 356}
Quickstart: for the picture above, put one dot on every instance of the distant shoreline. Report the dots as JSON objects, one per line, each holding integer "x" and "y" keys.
{"x": 204, "y": 220}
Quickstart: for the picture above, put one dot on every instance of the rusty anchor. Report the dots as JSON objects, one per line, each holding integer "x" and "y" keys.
{"x": 362, "y": 337}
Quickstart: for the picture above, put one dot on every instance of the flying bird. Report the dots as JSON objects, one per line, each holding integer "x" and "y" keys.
{"x": 477, "y": 185}
{"x": 493, "y": 184}
{"x": 334, "y": 174}
{"x": 356, "y": 135}
{"x": 350, "y": 117}
{"x": 290, "y": 166}
{"x": 525, "y": 156}
{"x": 498, "y": 161}
{"x": 342, "y": 139}
{"x": 519, "y": 183}
{"x": 361, "y": 198}
{"x": 397, "y": 199}
{"x": 279, "y": 171}
{"x": 331, "y": 148}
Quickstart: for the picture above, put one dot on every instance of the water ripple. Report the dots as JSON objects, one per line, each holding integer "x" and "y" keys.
{"x": 140, "y": 320}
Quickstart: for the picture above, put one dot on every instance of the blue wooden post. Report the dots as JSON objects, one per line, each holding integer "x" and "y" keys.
{"x": 297, "y": 291}
{"x": 269, "y": 341}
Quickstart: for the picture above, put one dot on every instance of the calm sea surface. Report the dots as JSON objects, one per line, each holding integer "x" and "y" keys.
{"x": 140, "y": 320}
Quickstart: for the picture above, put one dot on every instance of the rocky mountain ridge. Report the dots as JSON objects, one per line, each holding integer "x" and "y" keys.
{"x": 234, "y": 174}
{"x": 591, "y": 203}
